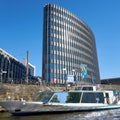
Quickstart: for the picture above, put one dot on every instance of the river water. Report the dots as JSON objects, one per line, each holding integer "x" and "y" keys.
{"x": 101, "y": 115}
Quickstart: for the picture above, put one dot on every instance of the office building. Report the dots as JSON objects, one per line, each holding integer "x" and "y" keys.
{"x": 11, "y": 70}
{"x": 68, "y": 43}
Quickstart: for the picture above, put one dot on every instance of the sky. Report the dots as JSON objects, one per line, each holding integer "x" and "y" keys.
{"x": 21, "y": 29}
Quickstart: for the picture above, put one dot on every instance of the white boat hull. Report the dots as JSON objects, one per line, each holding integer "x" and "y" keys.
{"x": 35, "y": 108}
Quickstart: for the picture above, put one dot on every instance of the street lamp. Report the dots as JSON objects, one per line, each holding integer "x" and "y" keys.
{"x": 73, "y": 70}
{"x": 77, "y": 76}
{"x": 64, "y": 69}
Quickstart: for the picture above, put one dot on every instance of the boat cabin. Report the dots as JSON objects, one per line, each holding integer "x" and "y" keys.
{"x": 77, "y": 96}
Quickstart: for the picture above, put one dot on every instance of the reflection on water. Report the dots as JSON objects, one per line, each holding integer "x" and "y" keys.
{"x": 101, "y": 115}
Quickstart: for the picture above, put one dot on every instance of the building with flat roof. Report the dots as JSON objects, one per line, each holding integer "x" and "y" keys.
{"x": 68, "y": 43}
{"x": 111, "y": 81}
{"x": 11, "y": 70}
{"x": 14, "y": 71}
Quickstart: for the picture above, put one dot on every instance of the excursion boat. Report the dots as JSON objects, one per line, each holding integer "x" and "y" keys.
{"x": 79, "y": 100}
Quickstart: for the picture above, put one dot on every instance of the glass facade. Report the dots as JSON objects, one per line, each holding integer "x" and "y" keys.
{"x": 15, "y": 72}
{"x": 67, "y": 43}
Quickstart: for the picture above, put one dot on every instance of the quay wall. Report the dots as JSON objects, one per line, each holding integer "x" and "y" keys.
{"x": 28, "y": 92}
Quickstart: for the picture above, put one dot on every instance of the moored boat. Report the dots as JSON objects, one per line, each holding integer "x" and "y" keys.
{"x": 78, "y": 100}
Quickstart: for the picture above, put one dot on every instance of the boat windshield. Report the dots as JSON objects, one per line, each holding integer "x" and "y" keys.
{"x": 59, "y": 97}
{"x": 44, "y": 96}
{"x": 66, "y": 97}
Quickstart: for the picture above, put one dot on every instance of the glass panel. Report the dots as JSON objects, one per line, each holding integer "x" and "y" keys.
{"x": 55, "y": 99}
{"x": 44, "y": 96}
{"x": 60, "y": 97}
{"x": 99, "y": 98}
{"x": 73, "y": 97}
{"x": 92, "y": 98}
{"x": 87, "y": 88}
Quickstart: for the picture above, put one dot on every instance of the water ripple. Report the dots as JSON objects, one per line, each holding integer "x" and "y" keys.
{"x": 101, "y": 115}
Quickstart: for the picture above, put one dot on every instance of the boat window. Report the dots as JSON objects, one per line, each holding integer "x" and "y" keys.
{"x": 59, "y": 97}
{"x": 44, "y": 96}
{"x": 78, "y": 88}
{"x": 87, "y": 88}
{"x": 92, "y": 97}
{"x": 73, "y": 97}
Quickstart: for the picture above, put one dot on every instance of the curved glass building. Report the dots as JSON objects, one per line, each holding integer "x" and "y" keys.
{"x": 68, "y": 43}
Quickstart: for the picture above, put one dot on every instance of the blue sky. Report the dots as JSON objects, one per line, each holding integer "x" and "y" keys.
{"x": 21, "y": 29}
